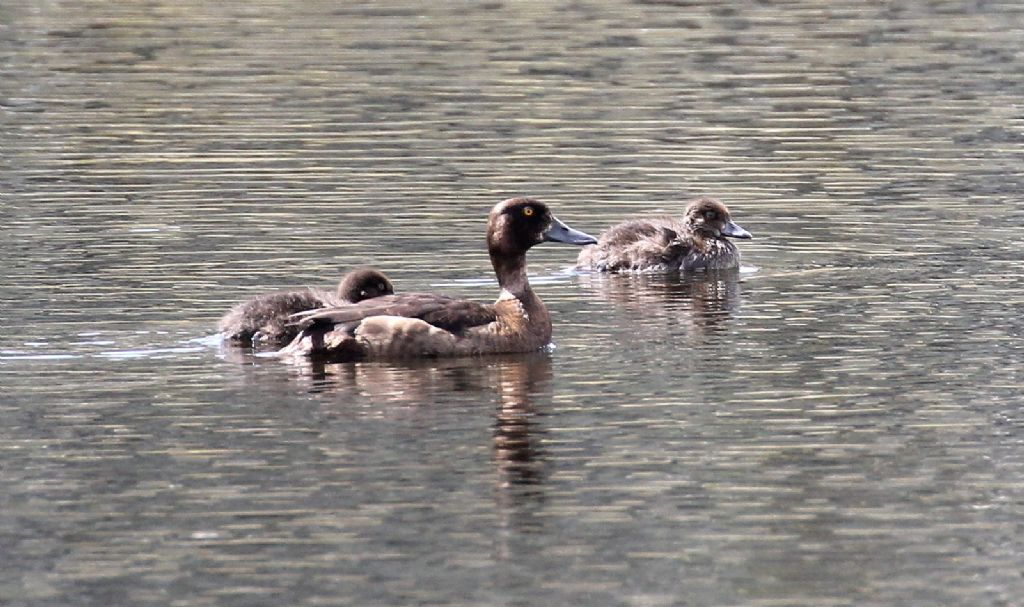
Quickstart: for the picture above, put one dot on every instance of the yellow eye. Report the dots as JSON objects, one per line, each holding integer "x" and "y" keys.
{"x": 528, "y": 211}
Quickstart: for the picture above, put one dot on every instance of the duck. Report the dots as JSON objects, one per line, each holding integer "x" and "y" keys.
{"x": 695, "y": 242}
{"x": 427, "y": 325}
{"x": 265, "y": 319}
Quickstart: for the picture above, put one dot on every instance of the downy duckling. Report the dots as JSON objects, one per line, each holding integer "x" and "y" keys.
{"x": 265, "y": 319}
{"x": 695, "y": 242}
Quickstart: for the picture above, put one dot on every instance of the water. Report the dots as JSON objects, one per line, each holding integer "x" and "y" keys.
{"x": 838, "y": 424}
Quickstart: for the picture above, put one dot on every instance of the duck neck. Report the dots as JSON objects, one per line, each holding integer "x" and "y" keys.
{"x": 520, "y": 310}
{"x": 511, "y": 273}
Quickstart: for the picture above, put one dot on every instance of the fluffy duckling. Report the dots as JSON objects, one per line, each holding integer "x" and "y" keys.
{"x": 265, "y": 319}
{"x": 695, "y": 242}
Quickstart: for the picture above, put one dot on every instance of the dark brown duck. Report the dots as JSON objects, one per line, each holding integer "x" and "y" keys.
{"x": 424, "y": 324}
{"x": 697, "y": 241}
{"x": 265, "y": 319}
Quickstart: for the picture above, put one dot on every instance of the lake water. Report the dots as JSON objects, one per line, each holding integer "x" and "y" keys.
{"x": 838, "y": 424}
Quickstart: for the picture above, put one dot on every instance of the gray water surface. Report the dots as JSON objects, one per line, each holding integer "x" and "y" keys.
{"x": 839, "y": 423}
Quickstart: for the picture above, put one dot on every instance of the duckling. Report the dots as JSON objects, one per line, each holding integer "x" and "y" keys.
{"x": 265, "y": 319}
{"x": 363, "y": 283}
{"x": 666, "y": 244}
{"x": 416, "y": 325}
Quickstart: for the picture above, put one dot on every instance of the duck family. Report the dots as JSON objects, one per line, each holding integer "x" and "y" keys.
{"x": 425, "y": 324}
{"x": 366, "y": 320}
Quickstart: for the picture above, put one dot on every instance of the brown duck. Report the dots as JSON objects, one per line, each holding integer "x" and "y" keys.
{"x": 695, "y": 242}
{"x": 265, "y": 319}
{"x": 423, "y": 324}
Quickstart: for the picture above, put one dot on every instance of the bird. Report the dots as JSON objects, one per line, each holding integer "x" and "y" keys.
{"x": 265, "y": 319}
{"x": 661, "y": 243}
{"x": 416, "y": 325}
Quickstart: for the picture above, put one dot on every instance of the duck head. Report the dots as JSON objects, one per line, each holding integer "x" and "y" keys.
{"x": 517, "y": 224}
{"x": 710, "y": 217}
{"x": 364, "y": 283}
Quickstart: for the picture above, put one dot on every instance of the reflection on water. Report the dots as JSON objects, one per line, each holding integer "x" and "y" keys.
{"x": 841, "y": 427}
{"x": 517, "y": 433}
{"x": 514, "y": 380}
{"x": 700, "y": 301}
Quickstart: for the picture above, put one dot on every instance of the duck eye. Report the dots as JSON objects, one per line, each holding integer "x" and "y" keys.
{"x": 380, "y": 286}
{"x": 710, "y": 215}
{"x": 528, "y": 211}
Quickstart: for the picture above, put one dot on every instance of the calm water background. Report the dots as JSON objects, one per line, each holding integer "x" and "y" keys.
{"x": 840, "y": 424}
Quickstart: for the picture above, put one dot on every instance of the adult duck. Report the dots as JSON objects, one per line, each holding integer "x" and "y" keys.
{"x": 416, "y": 325}
{"x": 266, "y": 319}
{"x": 695, "y": 242}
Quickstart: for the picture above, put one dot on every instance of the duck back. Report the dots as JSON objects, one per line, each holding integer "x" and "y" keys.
{"x": 421, "y": 325}
{"x": 265, "y": 318}
{"x": 653, "y": 244}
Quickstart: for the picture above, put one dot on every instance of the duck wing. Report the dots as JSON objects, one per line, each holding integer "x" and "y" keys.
{"x": 459, "y": 315}
{"x": 450, "y": 314}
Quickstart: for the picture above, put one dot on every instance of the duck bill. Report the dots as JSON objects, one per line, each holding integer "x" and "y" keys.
{"x": 734, "y": 231}
{"x": 559, "y": 232}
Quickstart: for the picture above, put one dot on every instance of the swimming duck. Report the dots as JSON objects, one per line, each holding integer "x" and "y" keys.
{"x": 265, "y": 319}
{"x": 415, "y": 325}
{"x": 666, "y": 244}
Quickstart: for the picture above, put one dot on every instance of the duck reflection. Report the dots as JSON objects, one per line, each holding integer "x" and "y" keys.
{"x": 518, "y": 453}
{"x": 703, "y": 301}
{"x": 516, "y": 380}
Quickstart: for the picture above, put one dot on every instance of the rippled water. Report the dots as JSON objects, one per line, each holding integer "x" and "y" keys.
{"x": 838, "y": 424}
